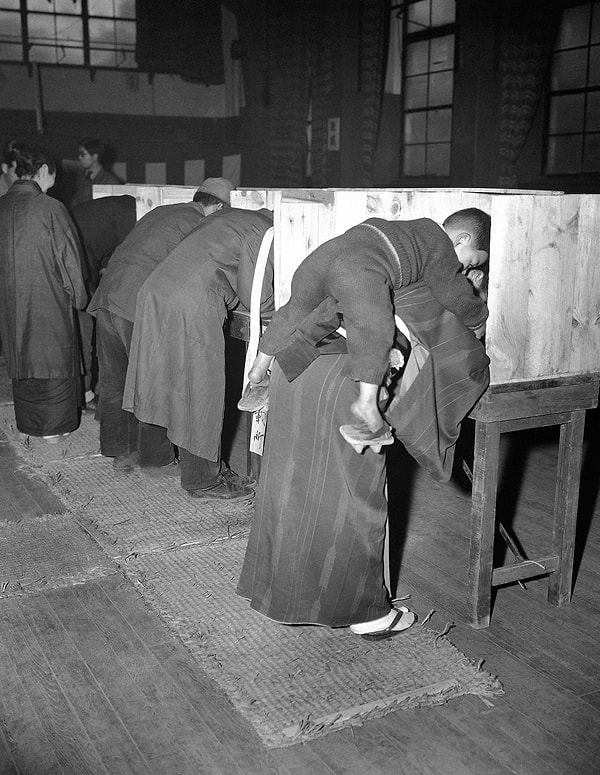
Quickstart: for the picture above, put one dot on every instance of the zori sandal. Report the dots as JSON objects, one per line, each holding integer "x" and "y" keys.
{"x": 359, "y": 437}
{"x": 404, "y": 619}
{"x": 254, "y": 397}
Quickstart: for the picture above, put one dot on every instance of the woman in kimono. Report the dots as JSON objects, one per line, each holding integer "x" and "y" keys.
{"x": 40, "y": 284}
{"x": 315, "y": 552}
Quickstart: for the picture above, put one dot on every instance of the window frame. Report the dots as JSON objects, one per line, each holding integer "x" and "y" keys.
{"x": 428, "y": 34}
{"x": 87, "y": 47}
{"x": 586, "y": 90}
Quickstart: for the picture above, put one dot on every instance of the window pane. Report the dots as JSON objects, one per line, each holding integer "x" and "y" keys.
{"x": 574, "y": 27}
{"x": 102, "y": 58}
{"x": 592, "y": 116}
{"x": 594, "y": 72}
{"x": 125, "y": 33}
{"x": 11, "y": 51}
{"x": 564, "y": 154}
{"x": 415, "y": 95}
{"x": 569, "y": 69}
{"x": 566, "y": 113}
{"x": 439, "y": 125}
{"x": 62, "y": 29}
{"x": 57, "y": 6}
{"x": 443, "y": 12}
{"x": 438, "y": 159}
{"x": 101, "y": 8}
{"x": 102, "y": 31}
{"x": 441, "y": 53}
{"x": 591, "y": 153}
{"x": 56, "y": 55}
{"x": 10, "y": 24}
{"x": 414, "y": 160}
{"x": 440, "y": 88}
{"x": 13, "y": 4}
{"x": 415, "y": 125}
{"x": 417, "y": 56}
{"x": 419, "y": 16}
{"x": 596, "y": 24}
{"x": 125, "y": 9}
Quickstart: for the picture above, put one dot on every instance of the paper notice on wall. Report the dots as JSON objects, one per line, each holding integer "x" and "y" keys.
{"x": 156, "y": 173}
{"x": 193, "y": 172}
{"x": 232, "y": 168}
{"x": 259, "y": 427}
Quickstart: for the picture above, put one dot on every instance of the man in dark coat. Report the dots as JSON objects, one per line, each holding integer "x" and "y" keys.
{"x": 114, "y": 304}
{"x": 40, "y": 284}
{"x": 176, "y": 375}
{"x": 102, "y": 224}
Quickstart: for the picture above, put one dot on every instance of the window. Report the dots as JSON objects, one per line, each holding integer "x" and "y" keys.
{"x": 91, "y": 33}
{"x": 574, "y": 113}
{"x": 428, "y": 86}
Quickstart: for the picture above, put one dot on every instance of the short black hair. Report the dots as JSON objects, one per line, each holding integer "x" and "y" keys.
{"x": 11, "y": 150}
{"x": 207, "y": 199}
{"x": 476, "y": 221}
{"x": 92, "y": 145}
{"x": 30, "y": 160}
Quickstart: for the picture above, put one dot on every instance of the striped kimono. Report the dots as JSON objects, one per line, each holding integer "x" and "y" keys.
{"x": 315, "y": 553}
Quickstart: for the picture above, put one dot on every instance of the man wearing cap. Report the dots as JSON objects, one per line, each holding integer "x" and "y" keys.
{"x": 176, "y": 373}
{"x": 114, "y": 303}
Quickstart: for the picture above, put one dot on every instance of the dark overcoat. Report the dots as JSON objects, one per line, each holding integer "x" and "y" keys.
{"x": 176, "y": 373}
{"x": 40, "y": 284}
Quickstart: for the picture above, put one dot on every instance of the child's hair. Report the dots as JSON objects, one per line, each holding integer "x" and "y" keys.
{"x": 92, "y": 145}
{"x": 476, "y": 221}
{"x": 30, "y": 160}
{"x": 11, "y": 151}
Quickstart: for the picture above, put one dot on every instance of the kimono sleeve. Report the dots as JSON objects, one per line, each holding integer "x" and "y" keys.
{"x": 70, "y": 259}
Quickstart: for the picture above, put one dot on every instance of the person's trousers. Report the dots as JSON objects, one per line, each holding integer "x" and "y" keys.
{"x": 120, "y": 431}
{"x": 86, "y": 334}
{"x": 197, "y": 473}
{"x": 46, "y": 407}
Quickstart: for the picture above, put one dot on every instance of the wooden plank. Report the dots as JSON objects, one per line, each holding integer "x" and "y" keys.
{"x": 552, "y": 252}
{"x": 93, "y": 707}
{"x": 483, "y": 521}
{"x": 510, "y": 254}
{"x": 533, "y": 403}
{"x": 68, "y": 739}
{"x": 585, "y": 350}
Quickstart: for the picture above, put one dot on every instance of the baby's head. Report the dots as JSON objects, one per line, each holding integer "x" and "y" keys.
{"x": 469, "y": 230}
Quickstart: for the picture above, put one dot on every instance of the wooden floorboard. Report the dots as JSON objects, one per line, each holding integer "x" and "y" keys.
{"x": 91, "y": 681}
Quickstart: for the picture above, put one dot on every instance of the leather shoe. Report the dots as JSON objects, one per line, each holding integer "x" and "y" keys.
{"x": 126, "y": 463}
{"x": 158, "y": 472}
{"x": 224, "y": 490}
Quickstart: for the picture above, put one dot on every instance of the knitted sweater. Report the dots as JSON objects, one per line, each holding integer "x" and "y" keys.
{"x": 361, "y": 269}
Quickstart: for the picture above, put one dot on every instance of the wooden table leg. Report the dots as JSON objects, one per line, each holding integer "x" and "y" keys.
{"x": 483, "y": 520}
{"x": 566, "y": 500}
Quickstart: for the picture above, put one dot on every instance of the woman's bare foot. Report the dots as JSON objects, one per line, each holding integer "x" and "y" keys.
{"x": 368, "y": 414}
{"x": 259, "y": 369}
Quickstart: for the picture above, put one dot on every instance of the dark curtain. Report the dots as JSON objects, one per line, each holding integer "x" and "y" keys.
{"x": 302, "y": 50}
{"x": 325, "y": 24}
{"x": 182, "y": 37}
{"x": 286, "y": 91}
{"x": 528, "y": 31}
{"x": 374, "y": 30}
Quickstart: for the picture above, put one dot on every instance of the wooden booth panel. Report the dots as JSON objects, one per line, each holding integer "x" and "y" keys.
{"x": 544, "y": 287}
{"x": 544, "y": 294}
{"x": 149, "y": 197}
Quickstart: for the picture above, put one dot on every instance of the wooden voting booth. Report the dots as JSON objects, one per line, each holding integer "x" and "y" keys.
{"x": 543, "y": 332}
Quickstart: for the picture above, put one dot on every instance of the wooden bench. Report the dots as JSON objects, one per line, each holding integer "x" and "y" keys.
{"x": 513, "y": 407}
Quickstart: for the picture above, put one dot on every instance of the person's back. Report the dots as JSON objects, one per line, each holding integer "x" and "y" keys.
{"x": 176, "y": 374}
{"x": 360, "y": 270}
{"x": 103, "y": 224}
{"x": 150, "y": 241}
